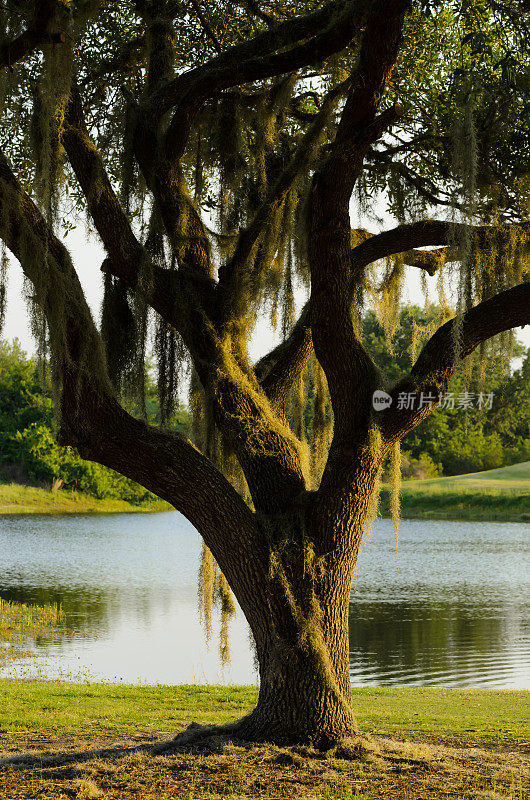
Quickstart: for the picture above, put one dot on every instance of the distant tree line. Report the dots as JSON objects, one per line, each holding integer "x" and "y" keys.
{"x": 449, "y": 442}
{"x": 29, "y": 452}
{"x": 452, "y": 441}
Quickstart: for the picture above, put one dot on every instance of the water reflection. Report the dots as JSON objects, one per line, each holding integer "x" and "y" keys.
{"x": 453, "y": 609}
{"x": 449, "y": 644}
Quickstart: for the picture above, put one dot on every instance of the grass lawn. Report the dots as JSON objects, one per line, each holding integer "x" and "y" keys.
{"x": 95, "y": 741}
{"x": 497, "y": 494}
{"x": 47, "y": 707}
{"x": 18, "y": 499}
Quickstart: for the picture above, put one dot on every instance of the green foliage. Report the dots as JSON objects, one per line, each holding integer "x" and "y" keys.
{"x": 28, "y": 447}
{"x": 457, "y": 441}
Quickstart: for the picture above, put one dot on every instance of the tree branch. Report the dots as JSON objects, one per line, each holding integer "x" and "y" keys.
{"x": 445, "y": 349}
{"x": 429, "y": 260}
{"x": 277, "y": 371}
{"x": 322, "y": 33}
{"x": 350, "y": 372}
{"x": 33, "y": 37}
{"x": 427, "y": 233}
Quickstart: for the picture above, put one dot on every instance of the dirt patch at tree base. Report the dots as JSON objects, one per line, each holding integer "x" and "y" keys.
{"x": 127, "y": 768}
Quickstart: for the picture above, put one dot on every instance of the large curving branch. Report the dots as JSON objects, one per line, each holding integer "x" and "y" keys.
{"x": 451, "y": 343}
{"x": 91, "y": 418}
{"x": 428, "y": 233}
{"x": 350, "y": 372}
{"x": 428, "y": 260}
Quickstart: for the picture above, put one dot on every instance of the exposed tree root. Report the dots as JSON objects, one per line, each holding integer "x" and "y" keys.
{"x": 214, "y": 738}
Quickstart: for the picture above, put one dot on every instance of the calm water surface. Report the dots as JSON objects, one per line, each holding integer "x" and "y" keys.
{"x": 452, "y": 609}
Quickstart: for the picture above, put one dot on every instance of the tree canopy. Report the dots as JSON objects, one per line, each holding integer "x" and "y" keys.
{"x": 216, "y": 149}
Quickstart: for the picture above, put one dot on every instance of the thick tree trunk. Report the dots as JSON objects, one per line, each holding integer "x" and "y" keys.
{"x": 300, "y": 699}
{"x": 302, "y": 645}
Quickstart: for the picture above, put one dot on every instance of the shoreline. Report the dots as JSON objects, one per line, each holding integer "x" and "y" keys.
{"x": 501, "y": 495}
{"x": 117, "y": 743}
{"x": 19, "y": 499}
{"x": 56, "y": 707}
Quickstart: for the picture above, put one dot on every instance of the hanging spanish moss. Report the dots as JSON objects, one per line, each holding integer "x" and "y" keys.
{"x": 171, "y": 358}
{"x": 227, "y": 610}
{"x": 214, "y": 592}
{"x": 200, "y": 418}
{"x": 4, "y": 264}
{"x": 138, "y": 375}
{"x": 50, "y": 101}
{"x": 373, "y": 511}
{"x": 207, "y": 579}
{"x": 39, "y": 330}
{"x": 395, "y": 486}
{"x": 118, "y": 329}
{"x": 465, "y": 171}
{"x": 198, "y": 172}
{"x": 287, "y": 297}
{"x": 128, "y": 177}
{"x": 389, "y": 298}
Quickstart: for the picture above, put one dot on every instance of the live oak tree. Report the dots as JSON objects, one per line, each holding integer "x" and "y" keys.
{"x": 216, "y": 150}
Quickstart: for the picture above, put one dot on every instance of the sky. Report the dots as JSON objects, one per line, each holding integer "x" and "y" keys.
{"x": 88, "y": 254}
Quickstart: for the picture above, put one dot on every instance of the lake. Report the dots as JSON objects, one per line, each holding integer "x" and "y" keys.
{"x": 452, "y": 608}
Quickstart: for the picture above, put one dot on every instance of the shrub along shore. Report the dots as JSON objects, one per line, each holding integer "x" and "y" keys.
{"x": 501, "y": 495}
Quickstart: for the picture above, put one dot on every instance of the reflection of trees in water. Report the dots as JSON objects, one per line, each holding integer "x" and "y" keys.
{"x": 94, "y": 611}
{"x": 427, "y": 636}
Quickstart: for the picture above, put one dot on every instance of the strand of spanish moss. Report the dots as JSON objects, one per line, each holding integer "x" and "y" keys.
{"x": 4, "y": 265}
{"x": 206, "y": 589}
{"x": 196, "y": 406}
{"x": 227, "y": 608}
{"x": 395, "y": 486}
{"x": 390, "y": 290}
{"x": 465, "y": 169}
{"x": 198, "y": 172}
{"x": 170, "y": 353}
{"x": 373, "y": 511}
{"x": 287, "y": 298}
{"x": 49, "y": 109}
{"x": 118, "y": 330}
{"x": 128, "y": 165}
{"x": 214, "y": 592}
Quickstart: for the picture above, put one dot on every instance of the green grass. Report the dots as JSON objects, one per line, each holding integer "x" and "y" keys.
{"x": 497, "y": 494}
{"x": 103, "y": 709}
{"x": 18, "y": 499}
